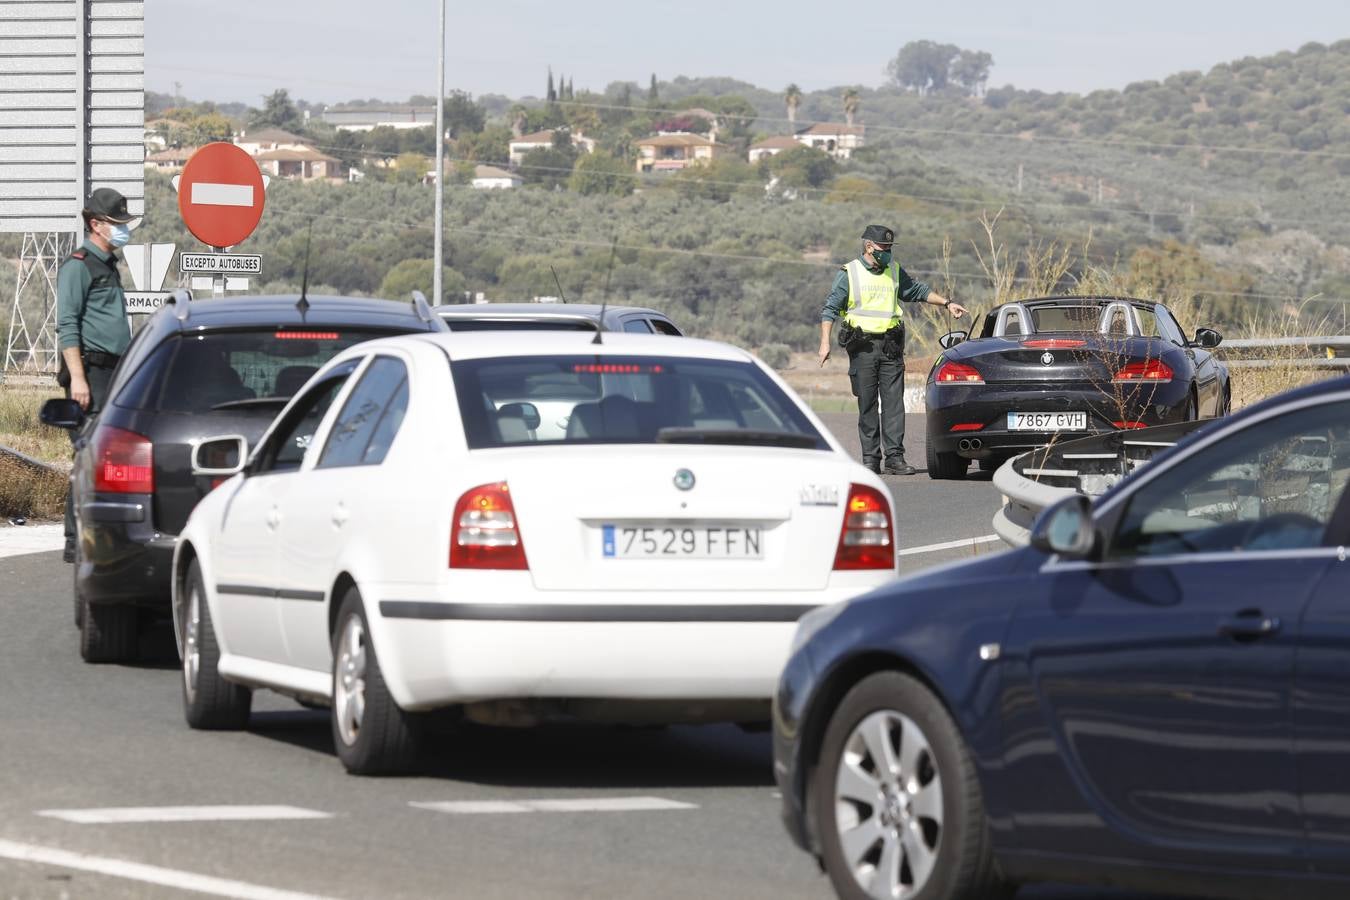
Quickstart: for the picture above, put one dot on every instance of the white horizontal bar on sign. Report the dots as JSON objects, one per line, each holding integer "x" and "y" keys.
{"x": 63, "y": 45}
{"x": 33, "y": 65}
{"x": 145, "y": 874}
{"x": 38, "y": 100}
{"x": 39, "y": 118}
{"x": 117, "y": 28}
{"x": 115, "y": 99}
{"x": 116, "y": 9}
{"x": 15, "y": 224}
{"x": 68, "y": 209}
{"x": 116, "y": 153}
{"x": 55, "y": 29}
{"x": 27, "y": 137}
{"x": 14, "y": 13}
{"x": 43, "y": 81}
{"x": 122, "y": 46}
{"x": 55, "y": 189}
{"x": 209, "y": 193}
{"x": 42, "y": 171}
{"x": 122, "y": 171}
{"x": 101, "y": 64}
{"x": 116, "y": 134}
{"x": 119, "y": 81}
{"x": 595, "y": 804}
{"x": 129, "y": 814}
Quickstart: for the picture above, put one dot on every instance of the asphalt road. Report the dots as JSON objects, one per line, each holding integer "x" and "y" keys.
{"x": 678, "y": 812}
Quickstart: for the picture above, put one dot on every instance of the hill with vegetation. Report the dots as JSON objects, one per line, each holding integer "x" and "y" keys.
{"x": 1224, "y": 189}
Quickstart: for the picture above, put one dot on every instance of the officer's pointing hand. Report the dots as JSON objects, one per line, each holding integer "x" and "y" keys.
{"x": 824, "y": 354}
{"x": 956, "y": 309}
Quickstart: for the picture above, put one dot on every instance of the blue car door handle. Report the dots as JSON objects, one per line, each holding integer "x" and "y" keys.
{"x": 1249, "y": 624}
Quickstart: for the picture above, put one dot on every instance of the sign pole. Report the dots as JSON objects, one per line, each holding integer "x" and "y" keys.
{"x": 439, "y": 229}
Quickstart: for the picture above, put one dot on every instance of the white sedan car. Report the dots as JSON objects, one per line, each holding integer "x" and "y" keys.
{"x": 519, "y": 526}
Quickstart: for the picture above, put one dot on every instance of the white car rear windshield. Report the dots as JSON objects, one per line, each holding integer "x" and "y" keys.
{"x": 626, "y": 400}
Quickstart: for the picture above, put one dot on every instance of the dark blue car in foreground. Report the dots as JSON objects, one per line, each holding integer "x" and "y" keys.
{"x": 1155, "y": 694}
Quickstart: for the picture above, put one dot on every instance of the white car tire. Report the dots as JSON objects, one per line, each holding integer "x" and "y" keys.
{"x": 373, "y": 736}
{"x": 209, "y": 701}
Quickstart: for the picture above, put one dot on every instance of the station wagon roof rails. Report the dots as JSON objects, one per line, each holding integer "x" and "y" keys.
{"x": 423, "y": 311}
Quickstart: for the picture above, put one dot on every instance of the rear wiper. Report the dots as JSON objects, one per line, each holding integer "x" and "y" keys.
{"x": 735, "y": 436}
{"x": 248, "y": 402}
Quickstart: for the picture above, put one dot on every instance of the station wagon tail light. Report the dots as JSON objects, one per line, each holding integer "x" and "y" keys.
{"x": 1152, "y": 371}
{"x": 958, "y": 373}
{"x": 123, "y": 462}
{"x": 1054, "y": 344}
{"x": 485, "y": 534}
{"x": 865, "y": 539}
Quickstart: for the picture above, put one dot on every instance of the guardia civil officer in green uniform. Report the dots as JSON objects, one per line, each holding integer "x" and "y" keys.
{"x": 91, "y": 313}
{"x": 867, "y": 295}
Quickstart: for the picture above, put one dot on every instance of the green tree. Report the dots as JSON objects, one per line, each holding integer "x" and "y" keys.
{"x": 600, "y": 173}
{"x": 410, "y": 168}
{"x": 278, "y": 112}
{"x": 851, "y": 99}
{"x": 416, "y": 275}
{"x": 210, "y": 127}
{"x": 792, "y": 98}
{"x": 549, "y": 166}
{"x": 488, "y": 147}
{"x": 652, "y": 96}
{"x": 462, "y": 115}
{"x": 923, "y": 66}
{"x": 803, "y": 167}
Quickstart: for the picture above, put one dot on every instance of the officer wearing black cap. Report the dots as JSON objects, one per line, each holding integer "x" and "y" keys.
{"x": 91, "y": 313}
{"x": 867, "y": 294}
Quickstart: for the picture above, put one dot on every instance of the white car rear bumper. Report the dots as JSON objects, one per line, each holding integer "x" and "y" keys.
{"x": 636, "y": 647}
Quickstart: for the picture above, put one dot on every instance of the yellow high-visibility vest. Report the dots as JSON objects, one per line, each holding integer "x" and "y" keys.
{"x": 872, "y": 302}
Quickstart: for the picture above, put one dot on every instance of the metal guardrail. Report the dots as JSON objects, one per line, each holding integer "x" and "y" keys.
{"x": 25, "y": 459}
{"x": 1033, "y": 481}
{"x": 1322, "y": 352}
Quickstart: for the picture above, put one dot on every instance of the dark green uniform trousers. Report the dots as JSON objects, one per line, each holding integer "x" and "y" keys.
{"x": 878, "y": 377}
{"x": 100, "y": 379}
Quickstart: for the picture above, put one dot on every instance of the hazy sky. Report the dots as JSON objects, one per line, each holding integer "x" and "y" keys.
{"x": 333, "y": 50}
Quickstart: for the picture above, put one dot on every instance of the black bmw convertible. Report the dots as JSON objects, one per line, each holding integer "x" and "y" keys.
{"x": 1065, "y": 367}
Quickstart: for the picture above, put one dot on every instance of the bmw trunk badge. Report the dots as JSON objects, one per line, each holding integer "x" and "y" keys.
{"x": 684, "y": 479}
{"x": 1047, "y": 358}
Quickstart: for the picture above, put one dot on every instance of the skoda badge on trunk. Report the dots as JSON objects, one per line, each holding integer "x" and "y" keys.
{"x": 684, "y": 479}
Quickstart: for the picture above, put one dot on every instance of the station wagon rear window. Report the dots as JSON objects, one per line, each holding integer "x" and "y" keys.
{"x": 194, "y": 373}
{"x": 626, "y": 400}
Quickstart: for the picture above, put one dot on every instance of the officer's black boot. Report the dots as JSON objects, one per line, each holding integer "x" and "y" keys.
{"x": 872, "y": 465}
{"x": 896, "y": 465}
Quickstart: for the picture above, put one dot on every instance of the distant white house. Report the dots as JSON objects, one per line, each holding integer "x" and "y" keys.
{"x": 837, "y": 140}
{"x": 365, "y": 118}
{"x": 490, "y": 177}
{"x": 170, "y": 160}
{"x": 772, "y": 147}
{"x": 543, "y": 140}
{"x": 266, "y": 139}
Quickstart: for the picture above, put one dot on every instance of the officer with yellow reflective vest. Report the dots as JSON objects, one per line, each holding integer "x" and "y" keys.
{"x": 867, "y": 294}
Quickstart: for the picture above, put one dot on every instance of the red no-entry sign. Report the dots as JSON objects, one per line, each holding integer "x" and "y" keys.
{"x": 220, "y": 195}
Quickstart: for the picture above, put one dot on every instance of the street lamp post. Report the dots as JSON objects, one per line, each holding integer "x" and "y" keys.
{"x": 438, "y": 255}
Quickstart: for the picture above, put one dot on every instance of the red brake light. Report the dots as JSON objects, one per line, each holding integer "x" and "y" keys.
{"x": 616, "y": 369}
{"x": 123, "y": 462}
{"x": 306, "y": 335}
{"x": 484, "y": 534}
{"x": 1054, "y": 344}
{"x": 1130, "y": 426}
{"x": 967, "y": 426}
{"x": 865, "y": 540}
{"x": 1151, "y": 370}
{"x": 958, "y": 373}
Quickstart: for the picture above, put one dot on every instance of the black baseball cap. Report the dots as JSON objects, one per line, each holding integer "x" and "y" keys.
{"x": 878, "y": 234}
{"x": 106, "y": 203}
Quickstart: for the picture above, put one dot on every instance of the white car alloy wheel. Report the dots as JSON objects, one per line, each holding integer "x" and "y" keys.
{"x": 888, "y": 805}
{"x": 192, "y": 653}
{"x": 349, "y": 681}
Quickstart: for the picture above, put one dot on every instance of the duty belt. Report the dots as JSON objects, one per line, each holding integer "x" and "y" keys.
{"x": 99, "y": 359}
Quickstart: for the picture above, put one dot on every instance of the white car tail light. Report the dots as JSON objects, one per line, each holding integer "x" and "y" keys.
{"x": 485, "y": 534}
{"x": 865, "y": 540}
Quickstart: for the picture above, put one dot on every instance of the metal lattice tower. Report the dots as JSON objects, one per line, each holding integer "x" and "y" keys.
{"x": 30, "y": 345}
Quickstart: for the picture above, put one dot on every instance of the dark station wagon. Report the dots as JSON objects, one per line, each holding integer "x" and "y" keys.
{"x": 196, "y": 369}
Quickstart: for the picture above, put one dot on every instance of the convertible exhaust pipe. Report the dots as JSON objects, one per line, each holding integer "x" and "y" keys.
{"x": 963, "y": 444}
{"x": 976, "y": 443}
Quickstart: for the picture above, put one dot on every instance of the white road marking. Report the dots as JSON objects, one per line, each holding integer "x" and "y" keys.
{"x": 16, "y": 541}
{"x": 124, "y": 815}
{"x": 209, "y": 193}
{"x": 596, "y": 804}
{"x": 951, "y": 545}
{"x": 133, "y": 871}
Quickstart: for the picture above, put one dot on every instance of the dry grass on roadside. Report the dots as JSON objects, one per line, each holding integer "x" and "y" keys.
{"x": 26, "y": 490}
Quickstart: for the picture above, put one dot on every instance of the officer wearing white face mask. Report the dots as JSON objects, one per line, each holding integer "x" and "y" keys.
{"x": 91, "y": 312}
